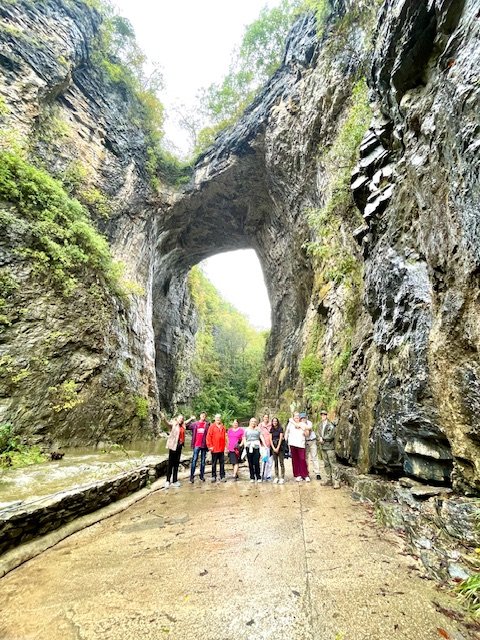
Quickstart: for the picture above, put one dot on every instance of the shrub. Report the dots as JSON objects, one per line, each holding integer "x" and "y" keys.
{"x": 142, "y": 407}
{"x": 62, "y": 243}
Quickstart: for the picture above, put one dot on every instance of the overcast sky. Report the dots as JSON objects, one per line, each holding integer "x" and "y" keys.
{"x": 193, "y": 40}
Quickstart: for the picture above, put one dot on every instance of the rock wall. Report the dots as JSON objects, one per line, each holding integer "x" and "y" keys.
{"x": 78, "y": 368}
{"x": 417, "y": 186}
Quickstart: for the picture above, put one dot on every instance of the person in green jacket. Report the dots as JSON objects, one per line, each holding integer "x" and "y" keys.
{"x": 326, "y": 432}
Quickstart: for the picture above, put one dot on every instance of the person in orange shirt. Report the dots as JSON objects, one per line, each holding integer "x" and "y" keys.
{"x": 216, "y": 440}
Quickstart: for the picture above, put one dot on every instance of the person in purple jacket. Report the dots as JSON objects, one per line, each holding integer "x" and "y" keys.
{"x": 199, "y": 445}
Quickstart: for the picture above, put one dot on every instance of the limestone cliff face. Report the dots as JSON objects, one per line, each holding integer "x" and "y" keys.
{"x": 77, "y": 368}
{"x": 374, "y": 299}
{"x": 421, "y": 245}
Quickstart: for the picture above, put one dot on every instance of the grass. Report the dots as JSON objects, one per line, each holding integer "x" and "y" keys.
{"x": 469, "y": 593}
{"x": 13, "y": 453}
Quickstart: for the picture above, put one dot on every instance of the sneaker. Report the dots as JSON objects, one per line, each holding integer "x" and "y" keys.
{"x": 192, "y": 480}
{"x": 298, "y": 479}
{"x": 202, "y": 479}
{"x": 336, "y": 485}
{"x": 176, "y": 484}
{"x": 327, "y": 483}
{"x": 252, "y": 480}
{"x": 166, "y": 485}
{"x": 281, "y": 481}
{"x": 307, "y": 479}
{"x": 213, "y": 480}
{"x": 275, "y": 481}
{"x": 319, "y": 477}
{"x": 269, "y": 478}
{"x": 223, "y": 479}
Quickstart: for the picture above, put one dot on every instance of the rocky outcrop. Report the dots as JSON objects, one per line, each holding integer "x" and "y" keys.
{"x": 417, "y": 186}
{"x": 439, "y": 528}
{"x": 78, "y": 368}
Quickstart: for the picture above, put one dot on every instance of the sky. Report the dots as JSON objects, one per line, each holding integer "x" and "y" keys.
{"x": 192, "y": 40}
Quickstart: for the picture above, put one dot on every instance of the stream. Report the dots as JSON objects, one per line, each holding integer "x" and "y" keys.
{"x": 78, "y": 466}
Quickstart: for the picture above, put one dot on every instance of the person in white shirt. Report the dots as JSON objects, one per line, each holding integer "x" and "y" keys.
{"x": 295, "y": 434}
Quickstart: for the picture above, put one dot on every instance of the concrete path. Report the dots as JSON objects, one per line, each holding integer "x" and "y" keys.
{"x": 226, "y": 562}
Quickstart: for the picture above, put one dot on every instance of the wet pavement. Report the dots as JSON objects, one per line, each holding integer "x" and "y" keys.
{"x": 227, "y": 561}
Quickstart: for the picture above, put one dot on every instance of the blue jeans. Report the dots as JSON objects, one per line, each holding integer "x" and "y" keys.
{"x": 203, "y": 455}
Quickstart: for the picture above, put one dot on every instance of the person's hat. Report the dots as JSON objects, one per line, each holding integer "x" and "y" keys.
{"x": 323, "y": 412}
{"x": 303, "y": 415}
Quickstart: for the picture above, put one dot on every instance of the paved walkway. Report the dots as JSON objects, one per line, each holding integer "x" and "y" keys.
{"x": 227, "y": 562}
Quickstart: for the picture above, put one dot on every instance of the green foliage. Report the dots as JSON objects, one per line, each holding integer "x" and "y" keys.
{"x": 14, "y": 454}
{"x": 8, "y": 285}
{"x": 258, "y": 56}
{"x": 142, "y": 407}
{"x": 62, "y": 242}
{"x": 311, "y": 368}
{"x": 229, "y": 354}
{"x": 335, "y": 262}
{"x": 321, "y": 8}
{"x": 65, "y": 396}
{"x": 4, "y": 110}
{"x": 469, "y": 592}
{"x": 6, "y": 437}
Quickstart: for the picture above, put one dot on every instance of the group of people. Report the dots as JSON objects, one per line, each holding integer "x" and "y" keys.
{"x": 265, "y": 445}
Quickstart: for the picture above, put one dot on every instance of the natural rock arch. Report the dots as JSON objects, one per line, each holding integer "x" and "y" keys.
{"x": 233, "y": 202}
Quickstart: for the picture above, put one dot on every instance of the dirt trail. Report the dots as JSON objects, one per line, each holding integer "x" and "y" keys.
{"x": 224, "y": 562}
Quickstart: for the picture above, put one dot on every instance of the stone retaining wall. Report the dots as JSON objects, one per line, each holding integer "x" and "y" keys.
{"x": 440, "y": 528}
{"x": 24, "y": 521}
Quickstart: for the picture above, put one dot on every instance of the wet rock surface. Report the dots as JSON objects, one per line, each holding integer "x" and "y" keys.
{"x": 173, "y": 566}
{"x": 440, "y": 528}
{"x": 417, "y": 187}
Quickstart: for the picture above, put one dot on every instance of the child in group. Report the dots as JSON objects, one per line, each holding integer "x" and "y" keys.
{"x": 235, "y": 436}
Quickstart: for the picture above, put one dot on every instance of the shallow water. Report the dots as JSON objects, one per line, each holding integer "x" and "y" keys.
{"x": 79, "y": 466}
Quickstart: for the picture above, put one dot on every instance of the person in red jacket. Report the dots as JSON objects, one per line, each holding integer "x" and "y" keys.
{"x": 216, "y": 439}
